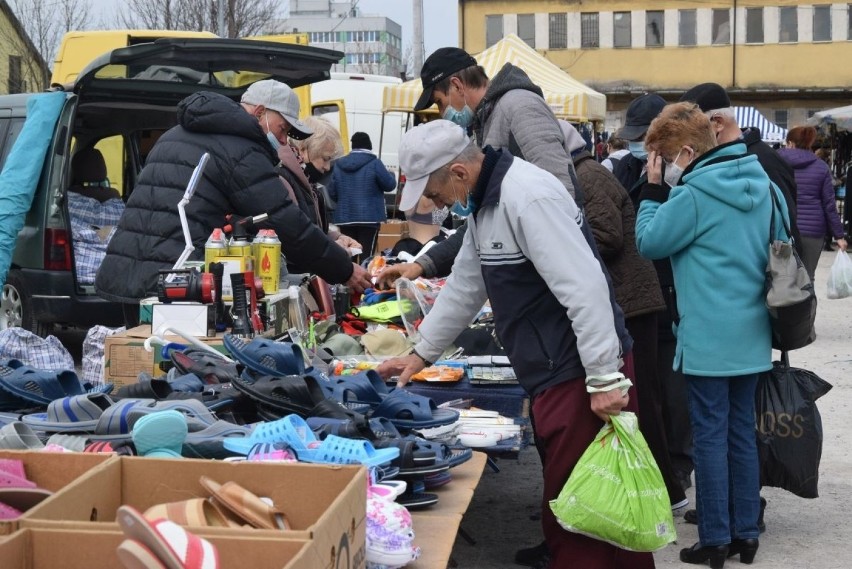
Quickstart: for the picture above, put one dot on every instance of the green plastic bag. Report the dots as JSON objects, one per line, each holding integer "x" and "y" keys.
{"x": 616, "y": 492}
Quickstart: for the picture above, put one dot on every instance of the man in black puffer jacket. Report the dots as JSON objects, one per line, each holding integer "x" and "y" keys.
{"x": 240, "y": 178}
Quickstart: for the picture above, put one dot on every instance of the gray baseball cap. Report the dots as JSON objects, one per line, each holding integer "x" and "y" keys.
{"x": 280, "y": 98}
{"x": 424, "y": 149}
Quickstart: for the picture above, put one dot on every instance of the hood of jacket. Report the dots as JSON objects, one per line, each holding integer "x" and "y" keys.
{"x": 798, "y": 158}
{"x": 508, "y": 78}
{"x": 212, "y": 113}
{"x": 713, "y": 175}
{"x": 354, "y": 161}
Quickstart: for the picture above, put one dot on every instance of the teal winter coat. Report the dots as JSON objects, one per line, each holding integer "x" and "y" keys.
{"x": 715, "y": 226}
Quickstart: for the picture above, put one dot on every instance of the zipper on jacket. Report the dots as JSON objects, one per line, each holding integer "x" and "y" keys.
{"x": 550, "y": 364}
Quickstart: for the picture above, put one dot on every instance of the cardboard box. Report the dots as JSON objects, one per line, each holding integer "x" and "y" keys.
{"x": 190, "y": 317}
{"x": 389, "y": 233}
{"x": 75, "y": 549}
{"x": 125, "y": 355}
{"x": 325, "y": 504}
{"x": 52, "y": 471}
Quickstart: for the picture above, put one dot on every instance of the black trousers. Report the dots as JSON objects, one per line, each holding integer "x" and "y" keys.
{"x": 675, "y": 409}
{"x": 644, "y": 331}
{"x": 130, "y": 311}
{"x": 363, "y": 233}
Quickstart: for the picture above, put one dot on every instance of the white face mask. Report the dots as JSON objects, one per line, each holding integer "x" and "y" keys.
{"x": 673, "y": 172}
{"x": 273, "y": 142}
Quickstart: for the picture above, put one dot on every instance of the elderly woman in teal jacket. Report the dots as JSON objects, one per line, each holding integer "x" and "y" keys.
{"x": 710, "y": 213}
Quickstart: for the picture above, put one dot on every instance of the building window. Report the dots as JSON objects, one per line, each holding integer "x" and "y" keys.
{"x": 687, "y": 29}
{"x": 721, "y": 26}
{"x": 526, "y": 29}
{"x": 621, "y": 29}
{"x": 789, "y": 24}
{"x": 493, "y": 29}
{"x": 754, "y": 25}
{"x": 781, "y": 117}
{"x": 558, "y": 27}
{"x": 589, "y": 30}
{"x": 822, "y": 23}
{"x": 654, "y": 30}
{"x": 16, "y": 78}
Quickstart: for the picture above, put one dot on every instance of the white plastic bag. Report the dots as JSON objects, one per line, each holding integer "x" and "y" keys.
{"x": 840, "y": 278}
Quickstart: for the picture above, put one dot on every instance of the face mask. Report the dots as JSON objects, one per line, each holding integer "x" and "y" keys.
{"x": 315, "y": 176}
{"x": 273, "y": 142}
{"x": 637, "y": 149}
{"x": 463, "y": 117}
{"x": 673, "y": 172}
{"x": 459, "y": 209}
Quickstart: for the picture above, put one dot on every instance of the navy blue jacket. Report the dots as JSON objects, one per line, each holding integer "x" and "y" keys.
{"x": 358, "y": 184}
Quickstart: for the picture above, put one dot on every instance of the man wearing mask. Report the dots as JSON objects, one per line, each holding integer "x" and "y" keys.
{"x": 240, "y": 178}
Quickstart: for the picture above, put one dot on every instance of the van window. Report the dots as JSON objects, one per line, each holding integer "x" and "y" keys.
{"x": 15, "y": 128}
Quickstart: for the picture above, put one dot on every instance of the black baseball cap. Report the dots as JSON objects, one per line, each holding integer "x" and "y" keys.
{"x": 708, "y": 96}
{"x": 437, "y": 67}
{"x": 640, "y": 113}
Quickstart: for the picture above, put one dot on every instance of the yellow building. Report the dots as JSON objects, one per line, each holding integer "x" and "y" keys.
{"x": 22, "y": 69}
{"x": 784, "y": 57}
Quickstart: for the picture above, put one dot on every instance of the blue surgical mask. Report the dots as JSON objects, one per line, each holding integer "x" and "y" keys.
{"x": 273, "y": 142}
{"x": 637, "y": 149}
{"x": 463, "y": 117}
{"x": 459, "y": 209}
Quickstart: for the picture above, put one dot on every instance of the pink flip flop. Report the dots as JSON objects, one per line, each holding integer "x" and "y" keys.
{"x": 161, "y": 544}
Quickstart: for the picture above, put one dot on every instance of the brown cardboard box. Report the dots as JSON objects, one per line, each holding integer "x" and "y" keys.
{"x": 51, "y": 471}
{"x": 125, "y": 355}
{"x": 325, "y": 504}
{"x": 389, "y": 233}
{"x": 75, "y": 549}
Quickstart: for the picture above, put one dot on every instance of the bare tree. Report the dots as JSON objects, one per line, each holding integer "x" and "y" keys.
{"x": 242, "y": 17}
{"x": 45, "y": 22}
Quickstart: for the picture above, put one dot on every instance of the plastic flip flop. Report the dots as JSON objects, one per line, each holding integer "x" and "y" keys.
{"x": 75, "y": 414}
{"x": 160, "y": 434}
{"x": 37, "y": 386}
{"x": 19, "y": 436}
{"x": 267, "y": 357}
{"x": 407, "y": 410}
{"x": 161, "y": 542}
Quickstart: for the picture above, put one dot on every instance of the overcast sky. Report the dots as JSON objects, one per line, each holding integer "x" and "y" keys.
{"x": 440, "y": 18}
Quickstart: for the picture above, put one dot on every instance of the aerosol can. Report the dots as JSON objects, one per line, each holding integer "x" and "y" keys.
{"x": 268, "y": 260}
{"x": 240, "y": 246}
{"x": 216, "y": 246}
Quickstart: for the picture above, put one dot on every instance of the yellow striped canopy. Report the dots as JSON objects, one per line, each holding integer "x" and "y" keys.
{"x": 570, "y": 99}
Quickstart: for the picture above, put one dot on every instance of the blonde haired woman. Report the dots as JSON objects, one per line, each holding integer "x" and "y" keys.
{"x": 710, "y": 212}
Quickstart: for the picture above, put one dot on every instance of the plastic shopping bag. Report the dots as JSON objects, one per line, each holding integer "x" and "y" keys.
{"x": 616, "y": 492}
{"x": 789, "y": 428}
{"x": 840, "y": 278}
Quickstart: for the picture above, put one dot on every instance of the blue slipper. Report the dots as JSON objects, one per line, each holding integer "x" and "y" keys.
{"x": 75, "y": 414}
{"x": 267, "y": 357}
{"x": 160, "y": 434}
{"x": 407, "y": 410}
{"x": 333, "y": 449}
{"x": 37, "y": 386}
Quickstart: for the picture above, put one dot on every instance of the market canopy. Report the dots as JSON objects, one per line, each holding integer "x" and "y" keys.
{"x": 751, "y": 117}
{"x": 840, "y": 117}
{"x": 570, "y": 99}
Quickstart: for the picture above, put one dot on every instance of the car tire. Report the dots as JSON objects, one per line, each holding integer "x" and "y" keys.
{"x": 16, "y": 308}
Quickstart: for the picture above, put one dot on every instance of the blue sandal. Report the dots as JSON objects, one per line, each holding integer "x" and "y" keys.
{"x": 407, "y": 410}
{"x": 267, "y": 357}
{"x": 37, "y": 386}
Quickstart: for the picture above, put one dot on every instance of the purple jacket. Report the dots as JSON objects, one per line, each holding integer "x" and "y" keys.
{"x": 817, "y": 211}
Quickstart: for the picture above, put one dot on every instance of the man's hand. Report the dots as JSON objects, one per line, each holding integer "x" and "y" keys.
{"x": 348, "y": 243}
{"x": 841, "y": 244}
{"x": 608, "y": 403}
{"x": 403, "y": 368}
{"x": 655, "y": 167}
{"x": 360, "y": 278}
{"x": 390, "y": 273}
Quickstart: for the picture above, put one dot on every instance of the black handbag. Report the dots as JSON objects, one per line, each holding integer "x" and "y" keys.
{"x": 790, "y": 295}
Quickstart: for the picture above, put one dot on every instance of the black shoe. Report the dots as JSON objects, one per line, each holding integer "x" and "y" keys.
{"x": 715, "y": 554}
{"x": 745, "y": 548}
{"x": 532, "y": 556}
{"x": 691, "y": 516}
{"x": 684, "y": 479}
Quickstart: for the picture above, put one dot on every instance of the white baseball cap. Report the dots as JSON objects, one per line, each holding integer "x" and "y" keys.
{"x": 424, "y": 149}
{"x": 280, "y": 98}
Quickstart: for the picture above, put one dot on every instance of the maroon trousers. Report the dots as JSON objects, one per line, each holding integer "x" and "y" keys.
{"x": 566, "y": 426}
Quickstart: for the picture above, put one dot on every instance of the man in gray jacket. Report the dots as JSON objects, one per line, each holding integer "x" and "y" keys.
{"x": 552, "y": 310}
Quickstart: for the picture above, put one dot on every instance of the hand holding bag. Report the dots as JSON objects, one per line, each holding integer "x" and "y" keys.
{"x": 790, "y": 295}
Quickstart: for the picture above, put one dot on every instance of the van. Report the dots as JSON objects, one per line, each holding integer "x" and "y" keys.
{"x": 125, "y": 94}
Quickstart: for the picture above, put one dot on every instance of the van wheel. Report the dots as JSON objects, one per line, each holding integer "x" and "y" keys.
{"x": 16, "y": 307}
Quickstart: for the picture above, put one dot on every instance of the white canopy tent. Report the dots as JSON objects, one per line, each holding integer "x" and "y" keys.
{"x": 840, "y": 117}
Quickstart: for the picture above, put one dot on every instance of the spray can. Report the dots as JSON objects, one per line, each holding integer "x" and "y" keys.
{"x": 216, "y": 246}
{"x": 240, "y": 246}
{"x": 268, "y": 260}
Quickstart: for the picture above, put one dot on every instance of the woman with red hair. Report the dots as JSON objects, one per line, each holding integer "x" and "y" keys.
{"x": 817, "y": 211}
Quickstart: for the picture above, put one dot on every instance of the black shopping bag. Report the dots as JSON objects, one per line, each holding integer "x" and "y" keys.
{"x": 789, "y": 428}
